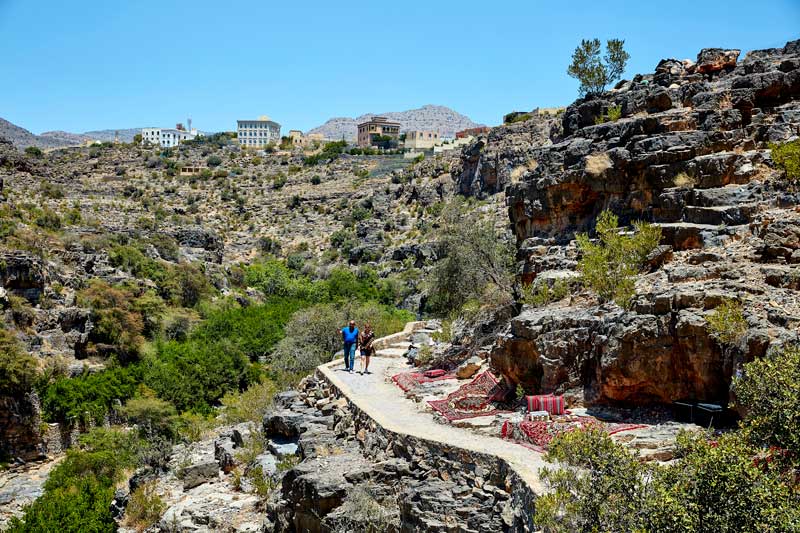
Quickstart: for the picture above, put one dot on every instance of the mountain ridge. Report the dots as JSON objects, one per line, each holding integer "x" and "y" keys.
{"x": 428, "y": 118}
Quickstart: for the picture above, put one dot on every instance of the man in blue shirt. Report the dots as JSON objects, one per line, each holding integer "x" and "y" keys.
{"x": 350, "y": 338}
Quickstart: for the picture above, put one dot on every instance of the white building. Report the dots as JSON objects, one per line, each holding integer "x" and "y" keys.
{"x": 168, "y": 137}
{"x": 258, "y": 133}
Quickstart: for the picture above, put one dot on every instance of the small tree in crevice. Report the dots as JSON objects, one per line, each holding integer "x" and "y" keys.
{"x": 609, "y": 267}
{"x": 594, "y": 72}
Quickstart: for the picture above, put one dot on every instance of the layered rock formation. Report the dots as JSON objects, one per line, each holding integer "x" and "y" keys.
{"x": 691, "y": 154}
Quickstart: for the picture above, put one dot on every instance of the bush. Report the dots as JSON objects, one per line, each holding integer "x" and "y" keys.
{"x": 593, "y": 72}
{"x": 33, "y": 151}
{"x": 538, "y": 295}
{"x": 250, "y": 405}
{"x": 769, "y": 390}
{"x": 116, "y": 319}
{"x": 145, "y": 506}
{"x": 213, "y": 161}
{"x": 787, "y": 157}
{"x": 48, "y": 219}
{"x": 609, "y": 267}
{"x": 315, "y": 179}
{"x": 475, "y": 258}
{"x": 604, "y": 490}
{"x": 90, "y": 396}
{"x": 153, "y": 415}
{"x": 17, "y": 369}
{"x": 727, "y": 322}
{"x": 279, "y": 180}
{"x": 613, "y": 114}
{"x": 78, "y": 493}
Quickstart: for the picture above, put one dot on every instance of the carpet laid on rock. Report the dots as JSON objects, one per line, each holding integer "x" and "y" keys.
{"x": 474, "y": 399}
{"x": 409, "y": 380}
{"x": 538, "y": 434}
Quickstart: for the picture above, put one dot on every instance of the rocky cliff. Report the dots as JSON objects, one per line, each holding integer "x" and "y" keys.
{"x": 690, "y": 153}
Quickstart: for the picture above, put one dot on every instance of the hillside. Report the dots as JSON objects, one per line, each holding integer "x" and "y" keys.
{"x": 22, "y": 138}
{"x": 427, "y": 118}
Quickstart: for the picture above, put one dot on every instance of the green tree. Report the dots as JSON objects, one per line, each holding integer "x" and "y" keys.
{"x": 17, "y": 368}
{"x": 33, "y": 151}
{"x": 214, "y": 161}
{"x": 475, "y": 257}
{"x": 769, "y": 389}
{"x": 608, "y": 267}
{"x": 787, "y": 157}
{"x": 593, "y": 72}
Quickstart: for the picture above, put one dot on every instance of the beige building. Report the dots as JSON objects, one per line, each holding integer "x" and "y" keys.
{"x": 422, "y": 140}
{"x": 377, "y": 127}
{"x": 297, "y": 137}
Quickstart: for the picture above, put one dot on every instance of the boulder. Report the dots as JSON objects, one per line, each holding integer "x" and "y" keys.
{"x": 716, "y": 59}
{"x": 198, "y": 474}
{"x": 469, "y": 368}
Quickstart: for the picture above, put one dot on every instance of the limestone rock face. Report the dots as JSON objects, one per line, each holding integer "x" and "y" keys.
{"x": 716, "y": 59}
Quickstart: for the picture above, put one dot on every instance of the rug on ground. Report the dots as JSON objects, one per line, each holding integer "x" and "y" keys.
{"x": 409, "y": 380}
{"x": 476, "y": 398}
{"x": 538, "y": 434}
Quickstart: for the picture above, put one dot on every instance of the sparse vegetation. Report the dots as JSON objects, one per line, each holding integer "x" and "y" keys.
{"x": 727, "y": 322}
{"x": 787, "y": 157}
{"x": 612, "y": 114}
{"x": 609, "y": 266}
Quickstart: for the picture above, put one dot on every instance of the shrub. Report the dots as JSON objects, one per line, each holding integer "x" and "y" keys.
{"x": 787, "y": 157}
{"x": 613, "y": 114}
{"x": 769, "y": 390}
{"x": 595, "y": 73}
{"x": 48, "y": 219}
{"x": 213, "y": 161}
{"x": 727, "y": 322}
{"x": 250, "y": 405}
{"x": 116, "y": 320}
{"x": 474, "y": 258}
{"x": 145, "y": 506}
{"x": 315, "y": 179}
{"x": 538, "y": 295}
{"x": 34, "y": 151}
{"x": 604, "y": 490}
{"x": 17, "y": 369}
{"x": 279, "y": 180}
{"x": 609, "y": 267}
{"x": 153, "y": 415}
{"x": 51, "y": 190}
{"x": 90, "y": 394}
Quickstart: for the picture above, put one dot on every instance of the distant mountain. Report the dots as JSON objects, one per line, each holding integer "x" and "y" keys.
{"x": 125, "y": 135}
{"x": 427, "y": 118}
{"x": 64, "y": 138}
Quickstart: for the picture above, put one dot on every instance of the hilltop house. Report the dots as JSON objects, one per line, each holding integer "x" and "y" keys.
{"x": 371, "y": 131}
{"x": 169, "y": 137}
{"x": 422, "y": 140}
{"x": 258, "y": 133}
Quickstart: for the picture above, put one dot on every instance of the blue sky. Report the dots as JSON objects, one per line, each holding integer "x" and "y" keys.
{"x": 86, "y": 65}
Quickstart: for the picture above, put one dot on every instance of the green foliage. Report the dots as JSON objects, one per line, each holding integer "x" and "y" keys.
{"x": 50, "y": 190}
{"x": 153, "y": 415}
{"x": 48, "y": 219}
{"x": 770, "y": 392}
{"x": 613, "y": 114}
{"x": 17, "y": 369}
{"x": 250, "y": 405}
{"x": 315, "y": 179}
{"x": 516, "y": 116}
{"x": 34, "y": 151}
{"x": 594, "y": 72}
{"x": 727, "y": 322}
{"x": 145, "y": 506}
{"x": 116, "y": 319}
{"x": 475, "y": 258}
{"x": 787, "y": 157}
{"x": 541, "y": 294}
{"x": 279, "y": 180}
{"x": 714, "y": 485}
{"x": 604, "y": 491}
{"x": 213, "y": 161}
{"x": 77, "y": 495}
{"x": 330, "y": 151}
{"x": 195, "y": 375}
{"x": 609, "y": 267}
{"x": 89, "y": 396}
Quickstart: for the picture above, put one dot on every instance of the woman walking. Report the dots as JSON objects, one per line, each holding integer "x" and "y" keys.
{"x": 366, "y": 339}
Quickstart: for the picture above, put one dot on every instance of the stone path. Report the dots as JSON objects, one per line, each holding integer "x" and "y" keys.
{"x": 385, "y": 403}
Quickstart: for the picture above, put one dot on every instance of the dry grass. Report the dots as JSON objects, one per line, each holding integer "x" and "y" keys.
{"x": 598, "y": 164}
{"x": 684, "y": 180}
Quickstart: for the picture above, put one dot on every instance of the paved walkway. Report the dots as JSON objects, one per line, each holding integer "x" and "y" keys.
{"x": 386, "y": 403}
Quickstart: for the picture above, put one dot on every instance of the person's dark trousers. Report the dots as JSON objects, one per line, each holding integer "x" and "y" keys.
{"x": 349, "y": 355}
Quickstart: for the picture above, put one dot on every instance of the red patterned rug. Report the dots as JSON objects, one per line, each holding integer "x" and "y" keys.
{"x": 472, "y": 400}
{"x": 409, "y": 380}
{"x": 537, "y": 435}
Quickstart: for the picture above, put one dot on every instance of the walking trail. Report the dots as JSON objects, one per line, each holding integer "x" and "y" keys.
{"x": 387, "y": 405}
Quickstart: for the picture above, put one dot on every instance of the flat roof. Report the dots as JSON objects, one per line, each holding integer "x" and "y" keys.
{"x": 257, "y": 120}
